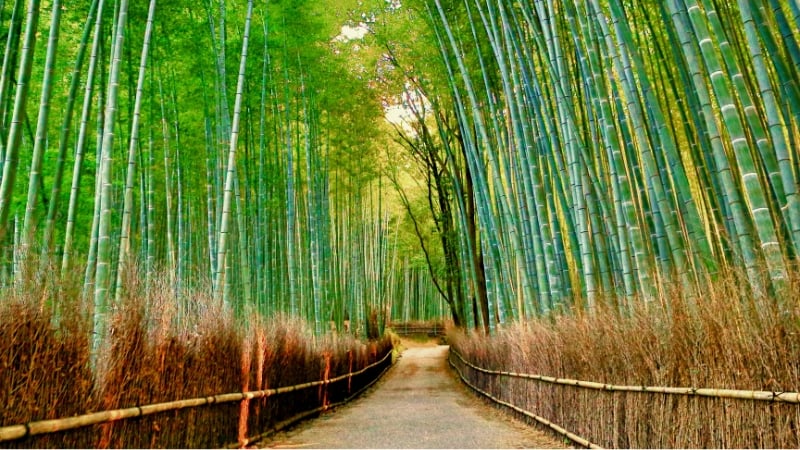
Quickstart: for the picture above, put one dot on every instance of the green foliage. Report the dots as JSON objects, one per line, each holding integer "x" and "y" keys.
{"x": 305, "y": 95}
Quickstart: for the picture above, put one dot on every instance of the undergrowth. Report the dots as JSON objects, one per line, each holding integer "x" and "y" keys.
{"x": 157, "y": 351}
{"x": 721, "y": 339}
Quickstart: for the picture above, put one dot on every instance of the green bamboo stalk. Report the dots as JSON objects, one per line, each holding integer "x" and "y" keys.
{"x": 729, "y": 49}
{"x": 777, "y": 129}
{"x": 64, "y": 138}
{"x": 91, "y": 262}
{"x": 34, "y": 179}
{"x": 740, "y": 222}
{"x": 504, "y": 306}
{"x": 786, "y": 77}
{"x": 14, "y": 138}
{"x": 312, "y": 209}
{"x": 628, "y": 230}
{"x": 7, "y": 71}
{"x": 150, "y": 233}
{"x": 787, "y": 36}
{"x": 655, "y": 184}
{"x": 103, "y": 271}
{"x": 80, "y": 146}
{"x": 168, "y": 192}
{"x": 180, "y": 223}
{"x": 244, "y": 263}
{"x": 532, "y": 241}
{"x": 224, "y": 232}
{"x": 133, "y": 148}
{"x": 750, "y": 179}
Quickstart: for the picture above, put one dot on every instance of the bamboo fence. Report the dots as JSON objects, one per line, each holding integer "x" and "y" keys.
{"x": 406, "y": 329}
{"x": 769, "y": 396}
{"x": 558, "y": 429}
{"x": 300, "y": 416}
{"x": 14, "y": 432}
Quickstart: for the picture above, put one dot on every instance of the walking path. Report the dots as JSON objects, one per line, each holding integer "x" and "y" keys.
{"x": 419, "y": 404}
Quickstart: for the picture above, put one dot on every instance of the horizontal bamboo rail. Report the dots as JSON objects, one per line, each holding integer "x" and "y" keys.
{"x": 558, "y": 429}
{"x": 768, "y": 396}
{"x": 13, "y": 432}
{"x": 300, "y": 416}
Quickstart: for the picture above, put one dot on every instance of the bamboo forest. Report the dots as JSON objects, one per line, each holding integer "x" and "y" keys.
{"x": 231, "y": 215}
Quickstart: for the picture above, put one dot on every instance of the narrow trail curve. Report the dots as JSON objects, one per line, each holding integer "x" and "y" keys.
{"x": 419, "y": 404}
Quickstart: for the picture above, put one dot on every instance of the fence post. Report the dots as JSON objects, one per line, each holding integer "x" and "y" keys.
{"x": 244, "y": 406}
{"x": 349, "y": 371}
{"x": 107, "y": 428}
{"x": 326, "y": 377}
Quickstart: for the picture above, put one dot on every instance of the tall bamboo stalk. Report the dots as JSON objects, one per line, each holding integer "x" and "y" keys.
{"x": 224, "y": 230}
{"x": 12, "y": 147}
{"x": 133, "y": 148}
{"x": 103, "y": 271}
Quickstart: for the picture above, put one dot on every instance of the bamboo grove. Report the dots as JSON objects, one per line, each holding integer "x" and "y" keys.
{"x": 212, "y": 171}
{"x": 574, "y": 153}
{"x": 607, "y": 150}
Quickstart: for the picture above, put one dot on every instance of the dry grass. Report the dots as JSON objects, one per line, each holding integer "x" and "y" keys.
{"x": 723, "y": 340}
{"x": 156, "y": 352}
{"x": 44, "y": 366}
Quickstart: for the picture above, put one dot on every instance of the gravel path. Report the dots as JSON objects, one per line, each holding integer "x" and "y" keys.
{"x": 419, "y": 404}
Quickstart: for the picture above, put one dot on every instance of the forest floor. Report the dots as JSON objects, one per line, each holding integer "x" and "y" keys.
{"x": 419, "y": 403}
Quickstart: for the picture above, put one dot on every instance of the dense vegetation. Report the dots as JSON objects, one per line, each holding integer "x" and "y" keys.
{"x": 180, "y": 216}
{"x": 632, "y": 172}
{"x": 614, "y": 148}
{"x": 150, "y": 357}
{"x": 206, "y": 143}
{"x": 353, "y": 162}
{"x": 714, "y": 344}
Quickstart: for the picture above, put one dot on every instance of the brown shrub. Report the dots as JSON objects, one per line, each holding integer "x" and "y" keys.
{"x": 158, "y": 349}
{"x": 721, "y": 339}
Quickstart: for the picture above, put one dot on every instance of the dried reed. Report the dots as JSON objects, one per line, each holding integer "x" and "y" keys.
{"x": 723, "y": 340}
{"x": 161, "y": 349}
